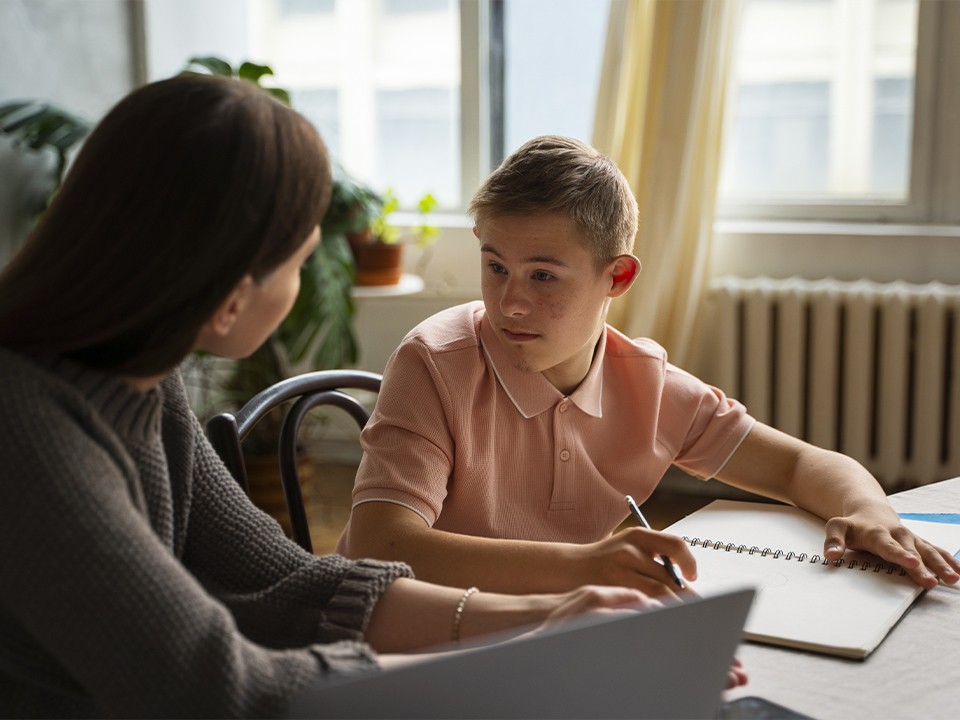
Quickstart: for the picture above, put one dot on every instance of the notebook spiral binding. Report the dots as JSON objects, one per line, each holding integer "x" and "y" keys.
{"x": 852, "y": 564}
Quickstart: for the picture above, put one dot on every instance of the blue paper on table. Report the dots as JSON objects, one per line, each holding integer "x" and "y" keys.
{"x": 951, "y": 518}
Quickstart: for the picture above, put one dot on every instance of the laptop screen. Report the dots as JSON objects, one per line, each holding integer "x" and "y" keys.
{"x": 662, "y": 663}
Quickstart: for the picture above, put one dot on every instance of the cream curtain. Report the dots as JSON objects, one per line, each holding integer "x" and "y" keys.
{"x": 660, "y": 112}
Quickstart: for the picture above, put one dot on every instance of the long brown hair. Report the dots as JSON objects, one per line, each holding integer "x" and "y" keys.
{"x": 186, "y": 186}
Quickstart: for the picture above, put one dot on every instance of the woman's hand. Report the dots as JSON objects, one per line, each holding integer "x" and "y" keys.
{"x": 599, "y": 599}
{"x": 736, "y": 675}
{"x": 590, "y": 600}
{"x": 593, "y": 599}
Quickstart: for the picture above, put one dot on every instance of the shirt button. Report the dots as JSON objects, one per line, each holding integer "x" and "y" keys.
{"x": 564, "y": 455}
{"x": 563, "y": 406}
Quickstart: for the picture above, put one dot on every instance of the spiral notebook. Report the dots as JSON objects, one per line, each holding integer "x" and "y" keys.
{"x": 843, "y": 608}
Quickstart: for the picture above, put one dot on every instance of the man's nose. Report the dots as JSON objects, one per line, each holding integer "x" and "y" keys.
{"x": 514, "y": 300}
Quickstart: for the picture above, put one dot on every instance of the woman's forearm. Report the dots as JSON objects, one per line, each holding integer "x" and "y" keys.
{"x": 412, "y": 615}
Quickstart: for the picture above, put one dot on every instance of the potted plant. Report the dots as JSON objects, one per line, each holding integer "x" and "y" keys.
{"x": 377, "y": 245}
{"x": 37, "y": 130}
{"x": 316, "y": 334}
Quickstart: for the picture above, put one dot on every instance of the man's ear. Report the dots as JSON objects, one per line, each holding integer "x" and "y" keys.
{"x": 623, "y": 271}
{"x": 219, "y": 325}
{"x": 476, "y": 232}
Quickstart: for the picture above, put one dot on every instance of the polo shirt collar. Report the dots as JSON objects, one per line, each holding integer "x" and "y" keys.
{"x": 532, "y": 393}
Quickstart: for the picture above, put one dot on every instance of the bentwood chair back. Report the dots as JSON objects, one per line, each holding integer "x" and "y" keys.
{"x": 307, "y": 391}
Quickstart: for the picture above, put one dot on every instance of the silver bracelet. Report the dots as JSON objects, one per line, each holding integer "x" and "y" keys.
{"x": 458, "y": 615}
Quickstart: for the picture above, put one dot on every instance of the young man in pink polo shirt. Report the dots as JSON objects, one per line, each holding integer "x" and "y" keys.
{"x": 508, "y": 432}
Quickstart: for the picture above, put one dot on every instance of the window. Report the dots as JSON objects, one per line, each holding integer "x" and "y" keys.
{"x": 840, "y": 109}
{"x": 552, "y": 52}
{"x": 416, "y": 95}
{"x": 381, "y": 81}
{"x": 384, "y": 81}
{"x": 832, "y": 114}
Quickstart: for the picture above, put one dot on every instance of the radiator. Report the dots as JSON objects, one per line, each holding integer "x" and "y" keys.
{"x": 869, "y": 369}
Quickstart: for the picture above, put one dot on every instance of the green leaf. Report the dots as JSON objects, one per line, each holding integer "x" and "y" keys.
{"x": 215, "y": 65}
{"x": 13, "y": 110}
{"x": 253, "y": 72}
{"x": 39, "y": 125}
{"x": 49, "y": 130}
{"x": 12, "y": 107}
{"x": 26, "y": 120}
{"x": 280, "y": 94}
{"x": 71, "y": 135}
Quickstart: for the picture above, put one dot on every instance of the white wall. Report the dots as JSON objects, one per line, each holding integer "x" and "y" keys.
{"x": 883, "y": 253}
{"x": 75, "y": 55}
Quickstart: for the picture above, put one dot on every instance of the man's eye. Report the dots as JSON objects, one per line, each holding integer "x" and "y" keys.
{"x": 497, "y": 268}
{"x": 542, "y": 276}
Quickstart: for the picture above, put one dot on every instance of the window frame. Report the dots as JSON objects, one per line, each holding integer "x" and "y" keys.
{"x": 475, "y": 100}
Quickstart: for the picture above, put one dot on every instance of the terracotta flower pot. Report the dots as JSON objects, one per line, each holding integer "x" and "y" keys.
{"x": 377, "y": 263}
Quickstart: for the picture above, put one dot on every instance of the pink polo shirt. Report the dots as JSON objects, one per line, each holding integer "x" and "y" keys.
{"x": 477, "y": 447}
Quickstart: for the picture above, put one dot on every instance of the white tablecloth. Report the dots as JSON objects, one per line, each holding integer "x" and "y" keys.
{"x": 915, "y": 673}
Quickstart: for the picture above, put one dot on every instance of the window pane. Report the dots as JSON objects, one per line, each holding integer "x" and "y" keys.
{"x": 380, "y": 79}
{"x": 417, "y": 142}
{"x": 781, "y": 139}
{"x": 822, "y": 101}
{"x": 553, "y": 51}
{"x": 306, "y": 7}
{"x": 323, "y": 109}
{"x": 891, "y": 137}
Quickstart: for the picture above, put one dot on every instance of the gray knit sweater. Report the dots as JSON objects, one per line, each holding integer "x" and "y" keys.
{"x": 136, "y": 579}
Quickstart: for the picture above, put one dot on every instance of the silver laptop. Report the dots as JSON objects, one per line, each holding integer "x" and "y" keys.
{"x": 666, "y": 663}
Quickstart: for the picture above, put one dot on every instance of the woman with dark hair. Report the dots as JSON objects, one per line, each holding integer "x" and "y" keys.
{"x": 137, "y": 579}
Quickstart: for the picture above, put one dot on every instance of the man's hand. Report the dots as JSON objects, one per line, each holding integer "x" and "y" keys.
{"x": 631, "y": 558}
{"x": 879, "y": 531}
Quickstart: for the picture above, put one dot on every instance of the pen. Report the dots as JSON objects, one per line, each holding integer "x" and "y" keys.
{"x": 635, "y": 510}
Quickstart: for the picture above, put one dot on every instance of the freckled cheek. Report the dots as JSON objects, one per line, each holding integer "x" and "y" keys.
{"x": 553, "y": 306}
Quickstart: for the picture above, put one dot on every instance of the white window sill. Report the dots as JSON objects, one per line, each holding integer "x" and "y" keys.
{"x": 846, "y": 251}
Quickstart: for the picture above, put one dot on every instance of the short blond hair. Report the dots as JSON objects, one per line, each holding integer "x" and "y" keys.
{"x": 555, "y": 174}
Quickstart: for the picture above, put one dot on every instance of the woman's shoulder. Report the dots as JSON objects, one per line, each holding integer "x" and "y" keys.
{"x": 48, "y": 426}
{"x": 25, "y": 382}
{"x": 55, "y": 393}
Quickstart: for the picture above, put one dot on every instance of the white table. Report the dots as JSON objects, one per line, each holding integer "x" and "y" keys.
{"x": 915, "y": 673}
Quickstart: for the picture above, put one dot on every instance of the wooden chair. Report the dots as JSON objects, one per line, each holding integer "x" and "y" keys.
{"x": 322, "y": 387}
